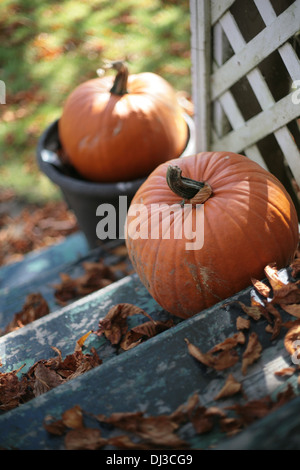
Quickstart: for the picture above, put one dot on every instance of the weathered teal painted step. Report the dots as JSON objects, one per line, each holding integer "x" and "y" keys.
{"x": 155, "y": 377}
{"x": 63, "y": 327}
{"x": 12, "y": 298}
{"x": 37, "y": 262}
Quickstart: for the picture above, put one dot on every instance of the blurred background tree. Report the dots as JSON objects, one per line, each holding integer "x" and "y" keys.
{"x": 48, "y": 48}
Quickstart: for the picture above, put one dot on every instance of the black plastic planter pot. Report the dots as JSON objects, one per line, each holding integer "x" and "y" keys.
{"x": 87, "y": 199}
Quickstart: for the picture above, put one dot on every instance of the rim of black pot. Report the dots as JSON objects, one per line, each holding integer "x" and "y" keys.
{"x": 50, "y": 164}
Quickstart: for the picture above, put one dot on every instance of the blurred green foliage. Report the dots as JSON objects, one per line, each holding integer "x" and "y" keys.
{"x": 49, "y": 47}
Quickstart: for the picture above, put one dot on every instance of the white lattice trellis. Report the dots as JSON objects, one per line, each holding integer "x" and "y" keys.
{"x": 222, "y": 58}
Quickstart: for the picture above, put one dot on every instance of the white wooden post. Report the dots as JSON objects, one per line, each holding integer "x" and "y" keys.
{"x": 201, "y": 70}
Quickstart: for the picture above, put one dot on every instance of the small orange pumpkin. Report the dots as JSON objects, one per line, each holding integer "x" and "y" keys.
{"x": 248, "y": 221}
{"x": 120, "y": 130}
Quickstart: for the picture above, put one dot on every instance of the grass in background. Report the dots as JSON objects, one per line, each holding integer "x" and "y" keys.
{"x": 48, "y": 48}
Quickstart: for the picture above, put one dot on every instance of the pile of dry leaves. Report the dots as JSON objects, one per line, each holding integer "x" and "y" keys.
{"x": 45, "y": 375}
{"x": 32, "y": 227}
{"x": 157, "y": 432}
{"x": 96, "y": 276}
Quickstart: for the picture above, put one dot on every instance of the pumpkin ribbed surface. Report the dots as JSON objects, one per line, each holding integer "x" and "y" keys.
{"x": 110, "y": 137}
{"x": 248, "y": 222}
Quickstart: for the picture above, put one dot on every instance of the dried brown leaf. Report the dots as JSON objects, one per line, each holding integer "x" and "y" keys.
{"x": 53, "y": 426}
{"x": 277, "y": 323}
{"x": 157, "y": 430}
{"x": 202, "y": 422}
{"x": 148, "y": 329}
{"x": 231, "y": 387}
{"x": 272, "y": 275}
{"x": 223, "y": 360}
{"x": 291, "y": 339}
{"x": 286, "y": 371}
{"x": 255, "y": 311}
{"x": 230, "y": 426}
{"x": 73, "y": 417}
{"x": 114, "y": 324}
{"x": 261, "y": 287}
{"x": 45, "y": 379}
{"x": 252, "y": 352}
{"x": 13, "y": 390}
{"x": 292, "y": 309}
{"x": 295, "y": 266}
{"x": 84, "y": 439}
{"x": 184, "y": 411}
{"x": 252, "y": 410}
{"x": 284, "y": 397}
{"x": 229, "y": 343}
{"x": 124, "y": 442}
{"x": 288, "y": 294}
{"x": 242, "y": 323}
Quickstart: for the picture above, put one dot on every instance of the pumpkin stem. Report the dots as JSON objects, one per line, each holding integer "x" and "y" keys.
{"x": 120, "y": 84}
{"x": 197, "y": 192}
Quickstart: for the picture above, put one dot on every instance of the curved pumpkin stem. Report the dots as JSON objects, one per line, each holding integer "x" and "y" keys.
{"x": 120, "y": 84}
{"x": 197, "y": 192}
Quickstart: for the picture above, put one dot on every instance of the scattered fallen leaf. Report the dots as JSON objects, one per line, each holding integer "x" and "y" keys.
{"x": 290, "y": 339}
{"x": 44, "y": 379}
{"x": 292, "y": 309}
{"x": 124, "y": 442}
{"x": 231, "y": 387}
{"x": 231, "y": 426}
{"x": 276, "y": 328}
{"x": 114, "y": 325}
{"x": 115, "y": 328}
{"x": 286, "y": 371}
{"x": 84, "y": 439}
{"x": 272, "y": 275}
{"x": 157, "y": 430}
{"x": 289, "y": 294}
{"x": 223, "y": 360}
{"x": 148, "y": 329}
{"x": 53, "y": 426}
{"x": 242, "y": 323}
{"x": 295, "y": 266}
{"x": 261, "y": 288}
{"x": 229, "y": 343}
{"x": 73, "y": 417}
{"x": 255, "y": 311}
{"x": 284, "y": 397}
{"x": 252, "y": 352}
{"x": 252, "y": 410}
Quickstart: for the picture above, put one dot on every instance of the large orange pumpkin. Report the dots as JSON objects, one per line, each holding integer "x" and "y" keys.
{"x": 120, "y": 130}
{"x": 245, "y": 220}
